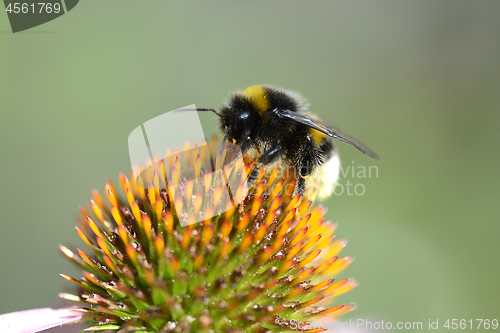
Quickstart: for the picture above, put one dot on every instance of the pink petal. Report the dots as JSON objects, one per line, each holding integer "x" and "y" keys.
{"x": 31, "y": 321}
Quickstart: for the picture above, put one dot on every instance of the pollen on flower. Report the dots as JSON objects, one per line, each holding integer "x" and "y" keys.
{"x": 187, "y": 245}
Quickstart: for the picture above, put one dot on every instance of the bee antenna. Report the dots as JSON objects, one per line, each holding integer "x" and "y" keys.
{"x": 211, "y": 110}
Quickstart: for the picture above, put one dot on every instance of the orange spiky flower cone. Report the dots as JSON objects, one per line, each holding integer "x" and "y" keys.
{"x": 259, "y": 261}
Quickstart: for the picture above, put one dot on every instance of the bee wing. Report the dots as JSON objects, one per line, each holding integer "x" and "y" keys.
{"x": 328, "y": 130}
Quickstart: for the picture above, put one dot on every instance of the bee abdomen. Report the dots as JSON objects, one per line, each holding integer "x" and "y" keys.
{"x": 322, "y": 180}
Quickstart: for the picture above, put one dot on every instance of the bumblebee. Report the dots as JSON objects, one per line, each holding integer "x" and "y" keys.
{"x": 276, "y": 127}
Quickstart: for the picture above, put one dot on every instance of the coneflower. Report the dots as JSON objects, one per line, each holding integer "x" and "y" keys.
{"x": 256, "y": 262}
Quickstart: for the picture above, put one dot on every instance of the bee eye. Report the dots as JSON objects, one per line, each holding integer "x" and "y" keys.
{"x": 239, "y": 124}
{"x": 236, "y": 130}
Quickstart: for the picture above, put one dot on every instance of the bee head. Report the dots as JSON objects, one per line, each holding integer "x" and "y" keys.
{"x": 237, "y": 119}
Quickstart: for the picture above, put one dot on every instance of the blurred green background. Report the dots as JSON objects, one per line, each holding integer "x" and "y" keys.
{"x": 417, "y": 81}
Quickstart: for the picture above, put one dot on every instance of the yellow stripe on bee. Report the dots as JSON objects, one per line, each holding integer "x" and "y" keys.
{"x": 317, "y": 136}
{"x": 258, "y": 95}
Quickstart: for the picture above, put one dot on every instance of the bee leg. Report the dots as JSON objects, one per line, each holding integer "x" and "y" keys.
{"x": 253, "y": 175}
{"x": 245, "y": 144}
{"x": 300, "y": 187}
{"x": 268, "y": 157}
